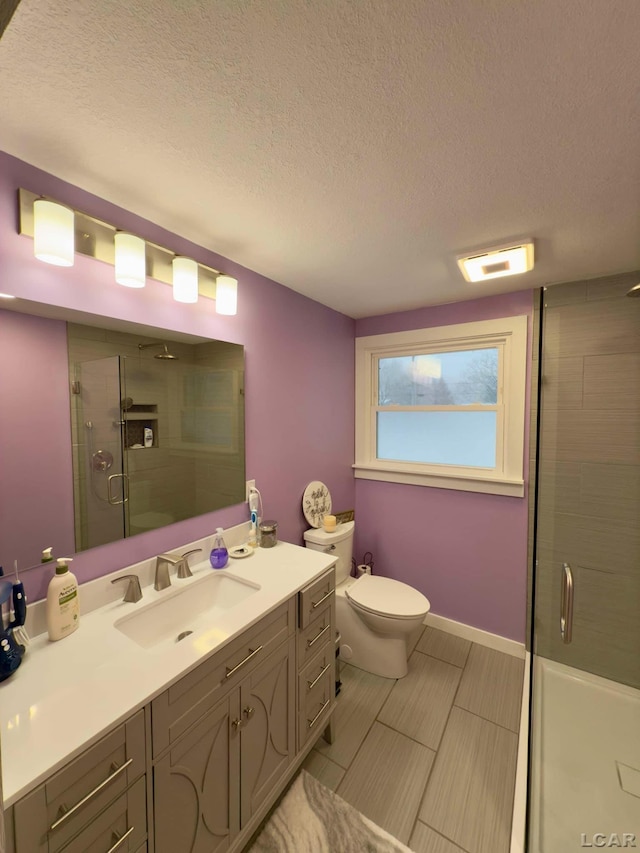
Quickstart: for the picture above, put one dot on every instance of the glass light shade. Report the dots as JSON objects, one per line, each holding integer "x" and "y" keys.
{"x": 53, "y": 233}
{"x": 131, "y": 260}
{"x": 185, "y": 280}
{"x": 226, "y": 295}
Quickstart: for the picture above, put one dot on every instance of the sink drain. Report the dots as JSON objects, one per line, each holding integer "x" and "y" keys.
{"x": 183, "y": 635}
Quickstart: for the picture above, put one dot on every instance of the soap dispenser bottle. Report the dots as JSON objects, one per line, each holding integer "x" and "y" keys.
{"x": 63, "y": 606}
{"x": 219, "y": 555}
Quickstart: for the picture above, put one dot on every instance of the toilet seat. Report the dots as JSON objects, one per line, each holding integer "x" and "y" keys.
{"x": 387, "y": 597}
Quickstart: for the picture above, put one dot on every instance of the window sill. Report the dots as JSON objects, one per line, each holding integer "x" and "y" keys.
{"x": 460, "y": 482}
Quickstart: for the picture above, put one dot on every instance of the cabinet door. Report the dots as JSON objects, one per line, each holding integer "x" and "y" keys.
{"x": 196, "y": 786}
{"x": 267, "y": 733}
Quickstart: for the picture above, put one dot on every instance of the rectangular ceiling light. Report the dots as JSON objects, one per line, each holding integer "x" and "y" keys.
{"x": 495, "y": 263}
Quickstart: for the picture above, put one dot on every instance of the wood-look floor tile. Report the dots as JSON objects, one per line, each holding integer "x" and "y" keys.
{"x": 419, "y": 704}
{"x": 360, "y": 699}
{"x": 427, "y": 840}
{"x": 469, "y": 796}
{"x": 444, "y": 646}
{"x": 323, "y": 769}
{"x": 387, "y": 779}
{"x": 491, "y": 686}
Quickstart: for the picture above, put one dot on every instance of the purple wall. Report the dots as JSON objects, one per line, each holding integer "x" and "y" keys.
{"x": 299, "y": 371}
{"x": 466, "y": 552}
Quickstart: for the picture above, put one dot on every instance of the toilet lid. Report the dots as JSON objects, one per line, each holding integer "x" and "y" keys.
{"x": 388, "y": 597}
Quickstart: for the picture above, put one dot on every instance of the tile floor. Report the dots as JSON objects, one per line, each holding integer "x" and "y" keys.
{"x": 431, "y": 757}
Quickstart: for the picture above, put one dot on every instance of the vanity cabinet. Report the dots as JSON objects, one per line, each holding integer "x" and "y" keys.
{"x": 239, "y": 712}
{"x": 316, "y": 657}
{"x": 205, "y": 760}
{"x": 97, "y": 801}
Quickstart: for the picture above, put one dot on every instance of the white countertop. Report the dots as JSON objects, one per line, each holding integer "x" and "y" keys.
{"x": 67, "y": 694}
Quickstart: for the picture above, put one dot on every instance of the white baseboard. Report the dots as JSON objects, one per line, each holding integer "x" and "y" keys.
{"x": 476, "y": 635}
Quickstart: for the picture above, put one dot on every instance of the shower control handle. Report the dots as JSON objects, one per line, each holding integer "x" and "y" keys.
{"x": 566, "y": 603}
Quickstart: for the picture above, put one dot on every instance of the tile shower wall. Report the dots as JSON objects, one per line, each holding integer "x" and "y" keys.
{"x": 298, "y": 362}
{"x": 466, "y": 552}
{"x": 589, "y": 475}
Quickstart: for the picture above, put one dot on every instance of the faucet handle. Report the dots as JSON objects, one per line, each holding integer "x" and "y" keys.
{"x": 183, "y": 564}
{"x": 133, "y": 592}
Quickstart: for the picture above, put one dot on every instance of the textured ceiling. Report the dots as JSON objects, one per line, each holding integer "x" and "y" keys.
{"x": 349, "y": 150}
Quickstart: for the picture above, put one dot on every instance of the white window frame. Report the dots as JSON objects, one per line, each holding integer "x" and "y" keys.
{"x": 509, "y": 336}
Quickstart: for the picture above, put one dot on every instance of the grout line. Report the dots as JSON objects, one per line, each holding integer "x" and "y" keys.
{"x": 446, "y": 837}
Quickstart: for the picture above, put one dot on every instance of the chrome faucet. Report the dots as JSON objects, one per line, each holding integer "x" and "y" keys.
{"x": 180, "y": 561}
{"x": 133, "y": 591}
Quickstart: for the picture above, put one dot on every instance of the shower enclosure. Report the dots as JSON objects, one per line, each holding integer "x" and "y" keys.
{"x": 158, "y": 435}
{"x": 585, "y": 722}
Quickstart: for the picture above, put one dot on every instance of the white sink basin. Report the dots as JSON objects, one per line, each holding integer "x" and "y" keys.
{"x": 190, "y": 609}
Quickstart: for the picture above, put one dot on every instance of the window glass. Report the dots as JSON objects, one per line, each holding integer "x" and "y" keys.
{"x": 440, "y": 438}
{"x": 460, "y": 378}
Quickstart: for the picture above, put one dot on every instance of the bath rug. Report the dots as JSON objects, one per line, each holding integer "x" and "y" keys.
{"x": 312, "y": 819}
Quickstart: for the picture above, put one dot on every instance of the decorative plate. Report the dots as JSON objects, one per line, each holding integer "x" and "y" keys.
{"x": 316, "y": 503}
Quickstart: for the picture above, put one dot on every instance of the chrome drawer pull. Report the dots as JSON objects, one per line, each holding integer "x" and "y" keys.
{"x": 324, "y": 598}
{"x": 317, "y": 637}
{"x": 313, "y": 683}
{"x": 315, "y": 719}
{"x": 84, "y": 800}
{"x": 251, "y": 654}
{"x": 120, "y": 839}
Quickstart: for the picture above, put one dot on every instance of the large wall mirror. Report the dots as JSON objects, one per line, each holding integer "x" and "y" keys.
{"x": 149, "y": 432}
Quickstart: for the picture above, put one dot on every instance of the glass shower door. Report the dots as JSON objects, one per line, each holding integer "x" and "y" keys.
{"x": 100, "y": 487}
{"x": 585, "y": 779}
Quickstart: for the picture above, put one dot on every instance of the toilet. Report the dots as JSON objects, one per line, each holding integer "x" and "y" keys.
{"x": 375, "y": 615}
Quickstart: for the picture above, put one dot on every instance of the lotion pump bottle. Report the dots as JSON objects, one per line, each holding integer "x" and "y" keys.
{"x": 63, "y": 606}
{"x": 219, "y": 555}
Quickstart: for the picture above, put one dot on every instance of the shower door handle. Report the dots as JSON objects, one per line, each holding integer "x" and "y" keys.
{"x": 125, "y": 489}
{"x": 566, "y": 603}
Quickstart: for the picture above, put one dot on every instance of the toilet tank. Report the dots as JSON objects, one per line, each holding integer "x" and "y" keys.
{"x": 337, "y": 544}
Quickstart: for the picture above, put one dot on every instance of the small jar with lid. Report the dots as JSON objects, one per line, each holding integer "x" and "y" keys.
{"x": 268, "y": 534}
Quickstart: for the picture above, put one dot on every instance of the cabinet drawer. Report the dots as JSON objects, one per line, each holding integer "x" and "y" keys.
{"x": 315, "y": 703}
{"x": 183, "y": 704}
{"x": 120, "y": 827}
{"x": 315, "y": 595}
{"x": 49, "y": 817}
{"x": 319, "y": 632}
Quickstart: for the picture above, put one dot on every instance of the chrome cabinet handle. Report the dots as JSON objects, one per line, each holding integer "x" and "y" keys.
{"x": 317, "y": 637}
{"x": 249, "y": 712}
{"x": 311, "y": 723}
{"x": 252, "y": 653}
{"x": 324, "y": 598}
{"x": 120, "y": 839}
{"x": 68, "y": 812}
{"x": 566, "y": 603}
{"x": 238, "y": 724}
{"x": 311, "y": 684}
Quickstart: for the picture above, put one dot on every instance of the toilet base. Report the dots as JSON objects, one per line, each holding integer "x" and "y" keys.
{"x": 380, "y": 655}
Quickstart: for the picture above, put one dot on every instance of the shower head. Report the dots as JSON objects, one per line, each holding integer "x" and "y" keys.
{"x": 165, "y": 354}
{"x": 635, "y": 290}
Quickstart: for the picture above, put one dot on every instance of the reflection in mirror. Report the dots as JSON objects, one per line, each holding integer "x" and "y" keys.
{"x": 113, "y": 433}
{"x": 157, "y": 430}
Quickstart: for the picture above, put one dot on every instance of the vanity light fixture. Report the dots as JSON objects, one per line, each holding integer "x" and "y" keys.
{"x": 185, "y": 280}
{"x": 130, "y": 259}
{"x": 500, "y": 261}
{"x": 226, "y": 295}
{"x": 6, "y": 296}
{"x": 78, "y": 232}
{"x": 53, "y": 232}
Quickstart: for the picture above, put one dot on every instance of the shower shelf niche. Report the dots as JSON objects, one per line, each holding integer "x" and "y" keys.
{"x": 136, "y": 418}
